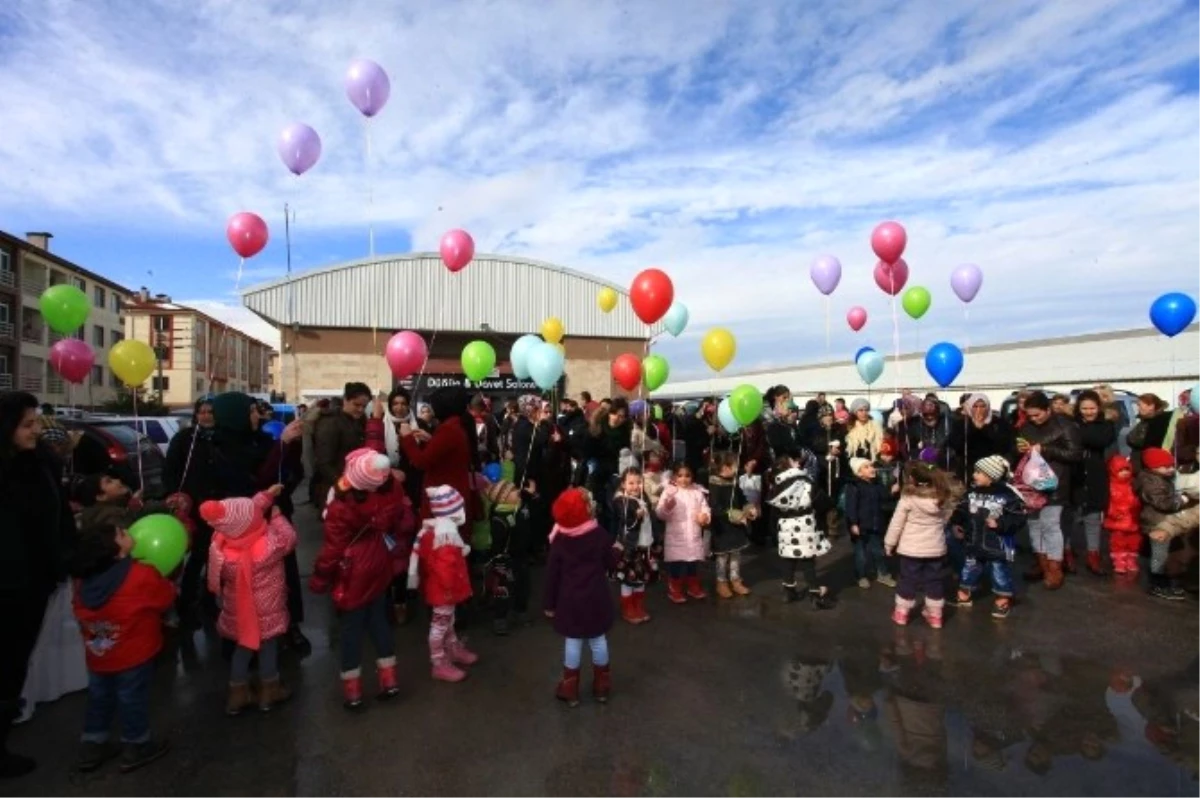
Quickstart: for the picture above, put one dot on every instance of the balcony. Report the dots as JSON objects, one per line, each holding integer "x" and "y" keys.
{"x": 55, "y": 385}
{"x": 33, "y": 284}
{"x": 31, "y": 383}
{"x": 33, "y": 334}
{"x": 6, "y": 382}
{"x": 7, "y": 330}
{"x": 7, "y": 278}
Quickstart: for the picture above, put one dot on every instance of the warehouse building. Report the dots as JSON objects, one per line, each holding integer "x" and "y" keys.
{"x": 334, "y": 322}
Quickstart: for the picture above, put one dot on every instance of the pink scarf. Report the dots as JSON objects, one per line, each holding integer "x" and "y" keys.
{"x": 573, "y": 531}
{"x": 240, "y": 551}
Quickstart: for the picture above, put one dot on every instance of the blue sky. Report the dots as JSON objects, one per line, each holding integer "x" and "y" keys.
{"x": 1054, "y": 144}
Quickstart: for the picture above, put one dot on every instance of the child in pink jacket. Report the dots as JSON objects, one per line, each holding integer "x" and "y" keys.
{"x": 918, "y": 534}
{"x": 245, "y": 568}
{"x": 684, "y": 507}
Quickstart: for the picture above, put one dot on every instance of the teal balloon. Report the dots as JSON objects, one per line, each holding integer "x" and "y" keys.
{"x": 1194, "y": 402}
{"x": 676, "y": 320}
{"x": 746, "y": 402}
{"x": 870, "y": 366}
{"x": 545, "y": 363}
{"x": 944, "y": 362}
{"x": 725, "y": 416}
{"x": 518, "y": 356}
{"x": 159, "y": 540}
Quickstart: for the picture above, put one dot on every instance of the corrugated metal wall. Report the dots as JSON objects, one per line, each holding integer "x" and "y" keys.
{"x": 417, "y": 292}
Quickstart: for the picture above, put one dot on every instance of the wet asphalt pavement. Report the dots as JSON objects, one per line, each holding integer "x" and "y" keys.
{"x": 1092, "y": 690}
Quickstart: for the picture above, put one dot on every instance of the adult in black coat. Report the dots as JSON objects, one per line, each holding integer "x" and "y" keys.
{"x": 1098, "y": 436}
{"x": 977, "y": 434}
{"x": 37, "y": 531}
{"x": 1154, "y": 418}
{"x": 1056, "y": 438}
{"x": 574, "y": 425}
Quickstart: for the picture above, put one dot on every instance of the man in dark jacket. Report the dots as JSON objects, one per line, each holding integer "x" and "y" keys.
{"x": 337, "y": 432}
{"x": 1056, "y": 438}
{"x": 574, "y": 425}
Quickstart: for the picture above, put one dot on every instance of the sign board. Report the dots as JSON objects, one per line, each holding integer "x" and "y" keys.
{"x": 500, "y": 383}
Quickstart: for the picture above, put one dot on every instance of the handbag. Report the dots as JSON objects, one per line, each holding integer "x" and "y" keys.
{"x": 1033, "y": 498}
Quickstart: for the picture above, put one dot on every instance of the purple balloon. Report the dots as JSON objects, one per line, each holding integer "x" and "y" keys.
{"x": 299, "y": 147}
{"x": 367, "y": 86}
{"x": 966, "y": 281}
{"x": 826, "y": 273}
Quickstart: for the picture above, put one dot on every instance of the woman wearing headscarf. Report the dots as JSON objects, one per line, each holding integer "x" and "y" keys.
{"x": 863, "y": 435}
{"x": 399, "y": 413}
{"x": 979, "y": 433}
{"x": 1154, "y": 418}
{"x": 449, "y": 455}
{"x": 35, "y": 536}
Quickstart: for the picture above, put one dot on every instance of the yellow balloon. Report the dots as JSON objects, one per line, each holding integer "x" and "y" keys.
{"x": 607, "y": 299}
{"x": 718, "y": 348}
{"x": 132, "y": 362}
{"x": 553, "y": 330}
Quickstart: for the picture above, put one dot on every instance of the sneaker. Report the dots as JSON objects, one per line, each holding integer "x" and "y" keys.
{"x": 900, "y": 617}
{"x": 886, "y": 580}
{"x": 138, "y": 755}
{"x": 443, "y": 671}
{"x": 1001, "y": 610}
{"x": 963, "y": 599}
{"x": 864, "y": 583}
{"x": 92, "y": 756}
{"x": 1161, "y": 592}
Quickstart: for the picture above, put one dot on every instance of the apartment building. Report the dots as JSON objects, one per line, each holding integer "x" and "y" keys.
{"x": 197, "y": 354}
{"x": 27, "y": 268}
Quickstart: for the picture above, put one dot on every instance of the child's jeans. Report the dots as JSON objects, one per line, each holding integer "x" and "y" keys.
{"x": 729, "y": 566}
{"x": 923, "y": 574}
{"x": 126, "y": 694}
{"x": 268, "y": 661}
{"x": 868, "y": 552}
{"x": 680, "y": 570}
{"x": 573, "y": 651}
{"x": 372, "y": 620}
{"x": 999, "y": 569}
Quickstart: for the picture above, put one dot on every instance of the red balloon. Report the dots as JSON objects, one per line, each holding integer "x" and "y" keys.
{"x": 891, "y": 277}
{"x": 627, "y": 371}
{"x": 247, "y": 233}
{"x": 457, "y": 249}
{"x": 888, "y": 240}
{"x": 651, "y": 295}
{"x": 73, "y": 359}
{"x": 856, "y": 317}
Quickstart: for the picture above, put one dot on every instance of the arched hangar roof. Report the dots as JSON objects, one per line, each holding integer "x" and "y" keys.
{"x": 416, "y": 292}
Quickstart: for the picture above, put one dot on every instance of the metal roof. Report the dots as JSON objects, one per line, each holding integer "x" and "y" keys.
{"x": 415, "y": 291}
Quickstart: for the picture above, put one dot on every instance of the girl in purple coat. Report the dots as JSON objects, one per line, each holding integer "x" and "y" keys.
{"x": 577, "y": 595}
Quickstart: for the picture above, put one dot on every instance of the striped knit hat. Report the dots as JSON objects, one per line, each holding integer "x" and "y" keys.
{"x": 994, "y": 467}
{"x": 444, "y": 501}
{"x": 367, "y": 469}
{"x": 231, "y": 517}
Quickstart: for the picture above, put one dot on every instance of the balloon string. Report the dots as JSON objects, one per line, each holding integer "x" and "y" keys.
{"x": 828, "y": 328}
{"x": 895, "y": 336}
{"x": 140, "y": 435}
{"x": 371, "y": 231}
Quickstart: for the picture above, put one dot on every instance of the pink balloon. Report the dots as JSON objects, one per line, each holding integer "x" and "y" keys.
{"x": 888, "y": 240}
{"x": 405, "y": 354}
{"x": 73, "y": 359}
{"x": 891, "y": 277}
{"x": 247, "y": 233}
{"x": 457, "y": 249}
{"x": 856, "y": 317}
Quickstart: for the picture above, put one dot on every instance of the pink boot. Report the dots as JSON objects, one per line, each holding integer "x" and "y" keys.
{"x": 445, "y": 671}
{"x": 933, "y": 612}
{"x": 459, "y": 654}
{"x": 903, "y": 608}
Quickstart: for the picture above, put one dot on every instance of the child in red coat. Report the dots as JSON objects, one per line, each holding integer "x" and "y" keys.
{"x": 363, "y": 519}
{"x": 438, "y": 566}
{"x": 1121, "y": 517}
{"x": 119, "y": 604}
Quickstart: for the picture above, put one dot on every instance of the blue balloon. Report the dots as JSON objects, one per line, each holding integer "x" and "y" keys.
{"x": 870, "y": 366}
{"x": 545, "y": 364}
{"x": 1172, "y": 313}
{"x": 725, "y": 416}
{"x": 637, "y": 408}
{"x": 274, "y": 429}
{"x": 676, "y": 319}
{"x": 518, "y": 356}
{"x": 860, "y": 352}
{"x": 493, "y": 472}
{"x": 944, "y": 362}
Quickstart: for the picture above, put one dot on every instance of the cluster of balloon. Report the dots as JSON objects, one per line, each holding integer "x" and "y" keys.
{"x": 247, "y": 233}
{"x": 916, "y": 301}
{"x": 553, "y": 330}
{"x": 478, "y": 360}
{"x": 891, "y": 277}
{"x": 655, "y": 371}
{"x": 274, "y": 428}
{"x": 856, "y": 317}
{"x": 65, "y": 308}
{"x": 966, "y": 280}
{"x": 533, "y": 358}
{"x": 944, "y": 362}
{"x": 627, "y": 371}
{"x": 299, "y": 148}
{"x": 405, "y": 354}
{"x": 367, "y": 86}
{"x": 607, "y": 299}
{"x": 159, "y": 540}
{"x": 743, "y": 405}
{"x": 888, "y": 241}
{"x": 676, "y": 319}
{"x": 457, "y": 249}
{"x": 638, "y": 408}
{"x": 869, "y": 364}
{"x": 1172, "y": 313}
{"x": 132, "y": 361}
{"x": 651, "y": 295}
{"x": 718, "y": 347}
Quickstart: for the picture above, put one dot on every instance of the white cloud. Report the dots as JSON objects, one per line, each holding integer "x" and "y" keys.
{"x": 728, "y": 142}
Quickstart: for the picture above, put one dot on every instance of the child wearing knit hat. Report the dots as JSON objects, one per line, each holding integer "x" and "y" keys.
{"x": 366, "y": 529}
{"x": 864, "y": 497}
{"x": 245, "y": 568}
{"x": 438, "y": 567}
{"x": 1162, "y": 509}
{"x": 988, "y": 519}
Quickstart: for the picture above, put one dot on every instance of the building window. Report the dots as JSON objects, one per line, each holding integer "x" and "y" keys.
{"x": 160, "y": 383}
{"x": 5, "y": 261}
{"x": 57, "y": 278}
{"x": 79, "y": 334}
{"x": 79, "y": 283}
{"x": 98, "y": 375}
{"x": 5, "y": 313}
{"x": 117, "y": 336}
{"x": 98, "y": 336}
{"x": 114, "y": 303}
{"x": 113, "y": 382}
{"x": 98, "y": 297}
{"x": 160, "y": 323}
{"x": 199, "y": 385}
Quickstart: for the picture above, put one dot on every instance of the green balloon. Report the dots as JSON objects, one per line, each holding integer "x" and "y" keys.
{"x": 478, "y": 360}
{"x": 64, "y": 307}
{"x": 655, "y": 371}
{"x": 746, "y": 403}
{"x": 159, "y": 540}
{"x": 916, "y": 301}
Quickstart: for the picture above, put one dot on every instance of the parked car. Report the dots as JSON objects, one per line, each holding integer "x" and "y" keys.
{"x": 159, "y": 429}
{"x": 111, "y": 445}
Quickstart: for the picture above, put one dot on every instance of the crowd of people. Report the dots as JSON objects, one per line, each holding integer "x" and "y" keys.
{"x": 457, "y": 499}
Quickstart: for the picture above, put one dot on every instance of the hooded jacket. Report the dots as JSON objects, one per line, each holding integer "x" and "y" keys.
{"x": 1124, "y": 506}
{"x": 120, "y": 615}
{"x": 918, "y": 529}
{"x": 999, "y": 501}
